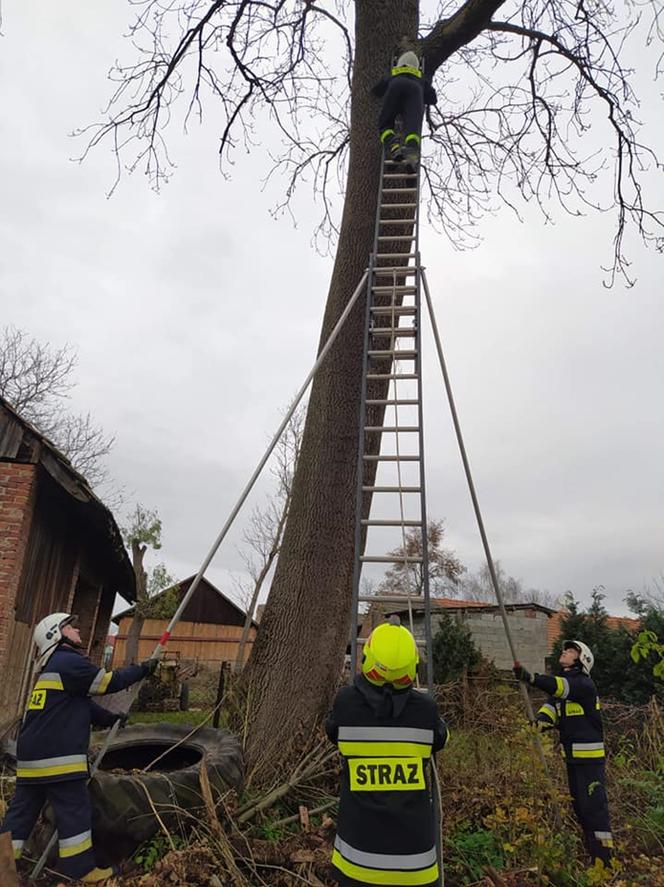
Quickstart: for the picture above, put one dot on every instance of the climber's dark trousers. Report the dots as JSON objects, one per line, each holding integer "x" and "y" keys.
{"x": 404, "y": 97}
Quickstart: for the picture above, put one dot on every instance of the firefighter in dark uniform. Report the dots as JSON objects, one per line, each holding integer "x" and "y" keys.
{"x": 573, "y": 708}
{"x": 387, "y": 733}
{"x": 406, "y": 93}
{"x": 53, "y": 743}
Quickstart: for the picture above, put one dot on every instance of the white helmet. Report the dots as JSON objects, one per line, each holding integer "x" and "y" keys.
{"x": 408, "y": 59}
{"x": 48, "y": 634}
{"x": 586, "y": 658}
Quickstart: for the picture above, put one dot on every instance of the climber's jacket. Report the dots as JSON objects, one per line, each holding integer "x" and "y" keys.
{"x": 409, "y": 73}
{"x": 573, "y": 708}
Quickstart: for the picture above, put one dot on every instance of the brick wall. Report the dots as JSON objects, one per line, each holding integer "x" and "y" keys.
{"x": 17, "y": 495}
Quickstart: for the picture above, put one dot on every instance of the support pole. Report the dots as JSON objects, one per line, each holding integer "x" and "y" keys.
{"x": 478, "y": 513}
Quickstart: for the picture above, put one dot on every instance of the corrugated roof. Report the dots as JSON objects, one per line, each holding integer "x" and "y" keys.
{"x": 21, "y": 441}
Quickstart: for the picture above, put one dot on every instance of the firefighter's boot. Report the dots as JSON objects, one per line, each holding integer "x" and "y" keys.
{"x": 391, "y": 146}
{"x": 411, "y": 153}
{"x": 99, "y": 876}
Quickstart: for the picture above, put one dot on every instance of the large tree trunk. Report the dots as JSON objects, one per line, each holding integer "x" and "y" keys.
{"x": 298, "y": 655}
{"x": 297, "y": 658}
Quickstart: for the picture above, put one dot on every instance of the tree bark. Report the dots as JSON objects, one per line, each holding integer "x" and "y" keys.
{"x": 298, "y": 654}
{"x": 297, "y": 658}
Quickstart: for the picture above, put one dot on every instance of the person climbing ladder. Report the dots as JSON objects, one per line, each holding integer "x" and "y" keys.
{"x": 405, "y": 92}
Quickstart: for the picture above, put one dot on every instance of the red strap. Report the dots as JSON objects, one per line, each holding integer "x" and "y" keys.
{"x": 163, "y": 640}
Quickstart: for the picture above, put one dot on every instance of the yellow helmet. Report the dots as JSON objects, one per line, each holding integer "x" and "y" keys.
{"x": 390, "y": 656}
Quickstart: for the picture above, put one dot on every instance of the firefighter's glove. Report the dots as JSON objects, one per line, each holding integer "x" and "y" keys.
{"x": 150, "y": 665}
{"x": 122, "y": 719}
{"x": 522, "y": 674}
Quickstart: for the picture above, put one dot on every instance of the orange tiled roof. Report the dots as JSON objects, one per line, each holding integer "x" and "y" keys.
{"x": 613, "y": 622}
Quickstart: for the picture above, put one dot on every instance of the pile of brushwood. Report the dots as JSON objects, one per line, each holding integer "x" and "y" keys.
{"x": 505, "y": 822}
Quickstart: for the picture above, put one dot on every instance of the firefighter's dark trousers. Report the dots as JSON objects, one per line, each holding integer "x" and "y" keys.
{"x": 70, "y": 802}
{"x": 404, "y": 98}
{"x": 587, "y": 786}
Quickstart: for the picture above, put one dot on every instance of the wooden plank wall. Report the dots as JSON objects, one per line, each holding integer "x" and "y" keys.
{"x": 193, "y": 640}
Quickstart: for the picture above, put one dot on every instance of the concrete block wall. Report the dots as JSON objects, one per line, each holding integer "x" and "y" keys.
{"x": 528, "y": 627}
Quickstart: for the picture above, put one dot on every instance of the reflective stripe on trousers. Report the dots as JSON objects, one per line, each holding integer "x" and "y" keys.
{"x": 587, "y": 750}
{"x": 75, "y": 845}
{"x": 400, "y": 870}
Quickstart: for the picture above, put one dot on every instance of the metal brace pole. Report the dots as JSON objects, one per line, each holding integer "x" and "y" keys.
{"x": 217, "y": 542}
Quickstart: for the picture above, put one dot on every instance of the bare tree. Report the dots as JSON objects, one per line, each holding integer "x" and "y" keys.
{"x": 36, "y": 379}
{"x": 143, "y": 532}
{"x": 445, "y": 569}
{"x": 479, "y": 587}
{"x": 519, "y": 97}
{"x": 265, "y": 531}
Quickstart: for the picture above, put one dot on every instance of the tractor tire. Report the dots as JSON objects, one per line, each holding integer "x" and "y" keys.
{"x": 123, "y": 796}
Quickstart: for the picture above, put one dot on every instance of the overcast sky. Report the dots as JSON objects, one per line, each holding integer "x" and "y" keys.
{"x": 196, "y": 316}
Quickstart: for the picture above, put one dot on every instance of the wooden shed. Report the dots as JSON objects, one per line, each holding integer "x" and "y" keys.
{"x": 60, "y": 550}
{"x": 209, "y": 631}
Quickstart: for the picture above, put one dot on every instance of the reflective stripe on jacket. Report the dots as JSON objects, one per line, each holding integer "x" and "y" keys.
{"x": 53, "y": 742}
{"x": 385, "y": 829}
{"x": 573, "y": 708}
{"x": 406, "y": 69}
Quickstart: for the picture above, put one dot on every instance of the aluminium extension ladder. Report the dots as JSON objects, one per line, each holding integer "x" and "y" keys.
{"x": 391, "y": 407}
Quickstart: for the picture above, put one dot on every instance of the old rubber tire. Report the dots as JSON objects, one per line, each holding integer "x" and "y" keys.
{"x": 123, "y": 816}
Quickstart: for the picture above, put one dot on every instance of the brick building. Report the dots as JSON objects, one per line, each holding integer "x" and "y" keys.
{"x": 60, "y": 550}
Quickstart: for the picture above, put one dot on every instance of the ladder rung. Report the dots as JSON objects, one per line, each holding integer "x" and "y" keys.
{"x": 396, "y": 237}
{"x": 394, "y": 309}
{"x": 391, "y": 458}
{"x": 398, "y": 175}
{"x": 391, "y": 489}
{"x": 396, "y": 221}
{"x": 386, "y": 599}
{"x": 392, "y": 428}
{"x": 374, "y": 377}
{"x": 400, "y": 355}
{"x": 392, "y": 403}
{"x": 397, "y": 205}
{"x": 396, "y": 256}
{"x": 399, "y": 190}
{"x": 387, "y": 559}
{"x": 408, "y": 331}
{"x": 399, "y": 270}
{"x": 391, "y": 523}
{"x": 403, "y": 288}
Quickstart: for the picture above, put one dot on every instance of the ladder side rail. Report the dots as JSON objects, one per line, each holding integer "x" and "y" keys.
{"x": 357, "y": 563}
{"x": 426, "y": 590}
{"x": 378, "y": 205}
